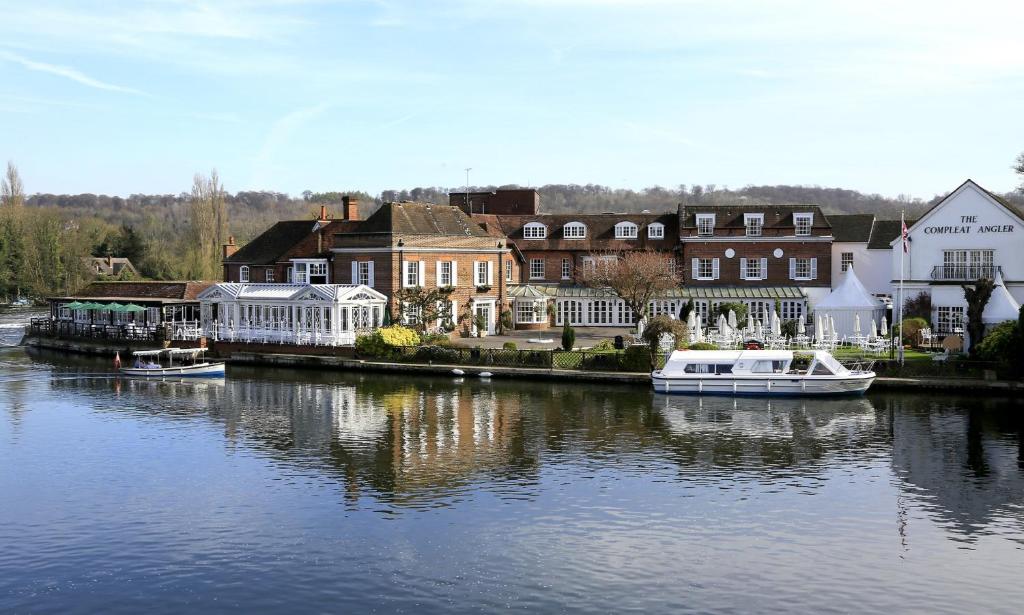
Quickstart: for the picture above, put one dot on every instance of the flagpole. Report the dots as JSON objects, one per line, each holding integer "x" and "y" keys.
{"x": 903, "y": 251}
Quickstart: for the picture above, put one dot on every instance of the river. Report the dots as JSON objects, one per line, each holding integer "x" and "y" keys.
{"x": 299, "y": 491}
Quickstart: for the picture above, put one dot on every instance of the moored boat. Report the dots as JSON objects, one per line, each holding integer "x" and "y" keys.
{"x": 757, "y": 372}
{"x": 148, "y": 363}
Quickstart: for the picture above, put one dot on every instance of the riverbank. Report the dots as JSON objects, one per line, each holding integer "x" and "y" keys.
{"x": 995, "y": 387}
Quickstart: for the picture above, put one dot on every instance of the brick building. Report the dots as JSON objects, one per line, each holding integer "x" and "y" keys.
{"x": 401, "y": 246}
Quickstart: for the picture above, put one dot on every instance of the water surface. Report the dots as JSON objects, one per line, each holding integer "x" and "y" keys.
{"x": 283, "y": 490}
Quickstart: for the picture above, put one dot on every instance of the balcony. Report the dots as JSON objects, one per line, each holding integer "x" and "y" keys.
{"x": 963, "y": 273}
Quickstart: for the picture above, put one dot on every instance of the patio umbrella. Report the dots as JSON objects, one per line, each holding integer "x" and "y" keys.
{"x": 750, "y": 321}
{"x": 732, "y": 319}
{"x": 819, "y": 328}
{"x": 700, "y": 335}
{"x": 74, "y": 305}
{"x": 801, "y": 327}
{"x": 91, "y": 306}
{"x": 691, "y": 320}
{"x": 856, "y": 325}
{"x": 832, "y": 326}
{"x": 131, "y": 307}
{"x": 885, "y": 327}
{"x": 758, "y": 330}
{"x": 776, "y": 324}
{"x": 873, "y": 333}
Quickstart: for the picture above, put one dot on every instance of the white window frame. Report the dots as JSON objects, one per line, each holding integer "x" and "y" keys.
{"x": 949, "y": 319}
{"x": 304, "y": 269}
{"x": 566, "y": 268}
{"x": 753, "y": 268}
{"x": 243, "y": 274}
{"x": 364, "y": 273}
{"x": 480, "y": 273}
{"x": 626, "y": 230}
{"x": 412, "y": 277}
{"x": 444, "y": 273}
{"x": 811, "y": 268}
{"x": 268, "y": 275}
{"x": 508, "y": 270}
{"x": 805, "y": 218}
{"x": 845, "y": 260}
{"x": 535, "y": 230}
{"x": 656, "y": 230}
{"x": 699, "y": 263}
{"x": 537, "y": 273}
{"x": 574, "y": 230}
{"x": 706, "y": 218}
{"x": 531, "y": 311}
{"x": 753, "y": 230}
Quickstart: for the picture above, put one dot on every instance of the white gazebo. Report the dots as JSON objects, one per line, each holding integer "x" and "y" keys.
{"x": 1001, "y": 305}
{"x": 305, "y": 314}
{"x": 845, "y": 303}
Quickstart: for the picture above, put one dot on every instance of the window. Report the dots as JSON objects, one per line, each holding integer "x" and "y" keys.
{"x": 803, "y": 268}
{"x": 566, "y": 268}
{"x": 753, "y": 223}
{"x": 589, "y": 263}
{"x": 531, "y": 312}
{"x": 508, "y": 271}
{"x": 967, "y": 264}
{"x": 269, "y": 275}
{"x": 803, "y": 223}
{"x": 536, "y": 268}
{"x": 481, "y": 273}
{"x": 949, "y": 320}
{"x": 574, "y": 230}
{"x": 753, "y": 268}
{"x": 411, "y": 314}
{"x": 656, "y": 230}
{"x": 535, "y": 230}
{"x": 846, "y": 258}
{"x": 444, "y": 273}
{"x": 705, "y": 268}
{"x": 412, "y": 273}
{"x": 792, "y": 310}
{"x": 625, "y": 230}
{"x": 243, "y": 273}
{"x": 310, "y": 271}
{"x": 705, "y": 225}
{"x": 363, "y": 275}
{"x": 318, "y": 273}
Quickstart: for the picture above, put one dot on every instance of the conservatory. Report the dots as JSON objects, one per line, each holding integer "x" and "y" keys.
{"x": 303, "y": 314}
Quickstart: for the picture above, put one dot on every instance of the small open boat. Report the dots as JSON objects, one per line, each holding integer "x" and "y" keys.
{"x": 757, "y": 372}
{"x": 190, "y": 362}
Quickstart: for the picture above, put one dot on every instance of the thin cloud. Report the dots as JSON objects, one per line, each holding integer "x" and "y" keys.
{"x": 68, "y": 73}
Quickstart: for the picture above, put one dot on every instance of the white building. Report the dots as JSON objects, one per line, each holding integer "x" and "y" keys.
{"x": 968, "y": 235}
{"x": 862, "y": 242}
{"x": 317, "y": 314}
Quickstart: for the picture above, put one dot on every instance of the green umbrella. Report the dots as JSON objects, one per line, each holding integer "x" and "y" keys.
{"x": 131, "y": 307}
{"x": 74, "y": 305}
{"x": 91, "y": 306}
{"x": 113, "y": 307}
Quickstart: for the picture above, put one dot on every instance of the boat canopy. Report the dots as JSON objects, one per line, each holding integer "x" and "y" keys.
{"x": 149, "y": 353}
{"x": 185, "y": 350}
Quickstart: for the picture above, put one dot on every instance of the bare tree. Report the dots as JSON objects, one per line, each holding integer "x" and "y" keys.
{"x": 12, "y": 191}
{"x": 208, "y": 221}
{"x": 635, "y": 277}
{"x": 1018, "y": 168}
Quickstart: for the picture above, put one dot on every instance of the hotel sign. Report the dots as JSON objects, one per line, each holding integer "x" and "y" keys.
{"x": 968, "y": 224}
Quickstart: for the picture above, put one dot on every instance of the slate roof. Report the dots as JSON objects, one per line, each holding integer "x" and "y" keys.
{"x": 884, "y": 232}
{"x": 268, "y": 247}
{"x": 851, "y": 227}
{"x": 412, "y": 218}
{"x": 600, "y": 231}
{"x": 168, "y": 292}
{"x": 731, "y": 216}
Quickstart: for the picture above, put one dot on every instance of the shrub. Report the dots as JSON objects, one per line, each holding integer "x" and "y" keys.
{"x": 789, "y": 328}
{"x": 918, "y": 307}
{"x": 603, "y": 346}
{"x": 381, "y": 342}
{"x": 505, "y": 321}
{"x": 509, "y": 346}
{"x": 998, "y": 344}
{"x": 659, "y": 326}
{"x": 739, "y": 308}
{"x": 568, "y": 337}
{"x": 636, "y": 359}
{"x": 435, "y": 339}
{"x": 911, "y": 327}
{"x": 703, "y": 346}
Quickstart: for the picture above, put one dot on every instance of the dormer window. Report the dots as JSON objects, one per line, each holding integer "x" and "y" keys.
{"x": 705, "y": 225}
{"x": 310, "y": 271}
{"x": 803, "y": 224}
{"x": 243, "y": 274}
{"x": 574, "y": 230}
{"x": 535, "y": 230}
{"x": 656, "y": 230}
{"x": 754, "y": 223}
{"x": 625, "y": 230}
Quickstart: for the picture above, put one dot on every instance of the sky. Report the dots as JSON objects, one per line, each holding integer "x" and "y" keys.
{"x": 907, "y": 97}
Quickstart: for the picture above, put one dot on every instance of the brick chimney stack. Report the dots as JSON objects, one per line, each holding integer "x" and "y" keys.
{"x": 350, "y": 208}
{"x": 230, "y": 248}
{"x": 323, "y": 213}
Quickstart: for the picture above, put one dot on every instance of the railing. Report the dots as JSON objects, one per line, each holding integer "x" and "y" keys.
{"x": 69, "y": 329}
{"x": 281, "y": 335}
{"x": 588, "y": 360}
{"x": 964, "y": 273}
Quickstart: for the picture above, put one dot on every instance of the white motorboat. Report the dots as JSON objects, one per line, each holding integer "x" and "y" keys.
{"x": 757, "y": 372}
{"x": 190, "y": 363}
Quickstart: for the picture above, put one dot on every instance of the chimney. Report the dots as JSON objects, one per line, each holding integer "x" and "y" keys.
{"x": 230, "y": 247}
{"x": 350, "y": 208}
{"x": 323, "y": 213}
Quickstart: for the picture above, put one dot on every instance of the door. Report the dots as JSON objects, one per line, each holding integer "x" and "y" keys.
{"x": 483, "y": 311}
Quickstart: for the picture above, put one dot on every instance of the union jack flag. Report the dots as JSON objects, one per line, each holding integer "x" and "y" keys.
{"x": 906, "y": 238}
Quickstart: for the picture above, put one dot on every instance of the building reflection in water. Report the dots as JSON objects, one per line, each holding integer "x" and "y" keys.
{"x": 429, "y": 442}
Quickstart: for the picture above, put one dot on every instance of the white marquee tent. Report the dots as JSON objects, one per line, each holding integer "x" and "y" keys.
{"x": 1001, "y": 306}
{"x": 848, "y": 301}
